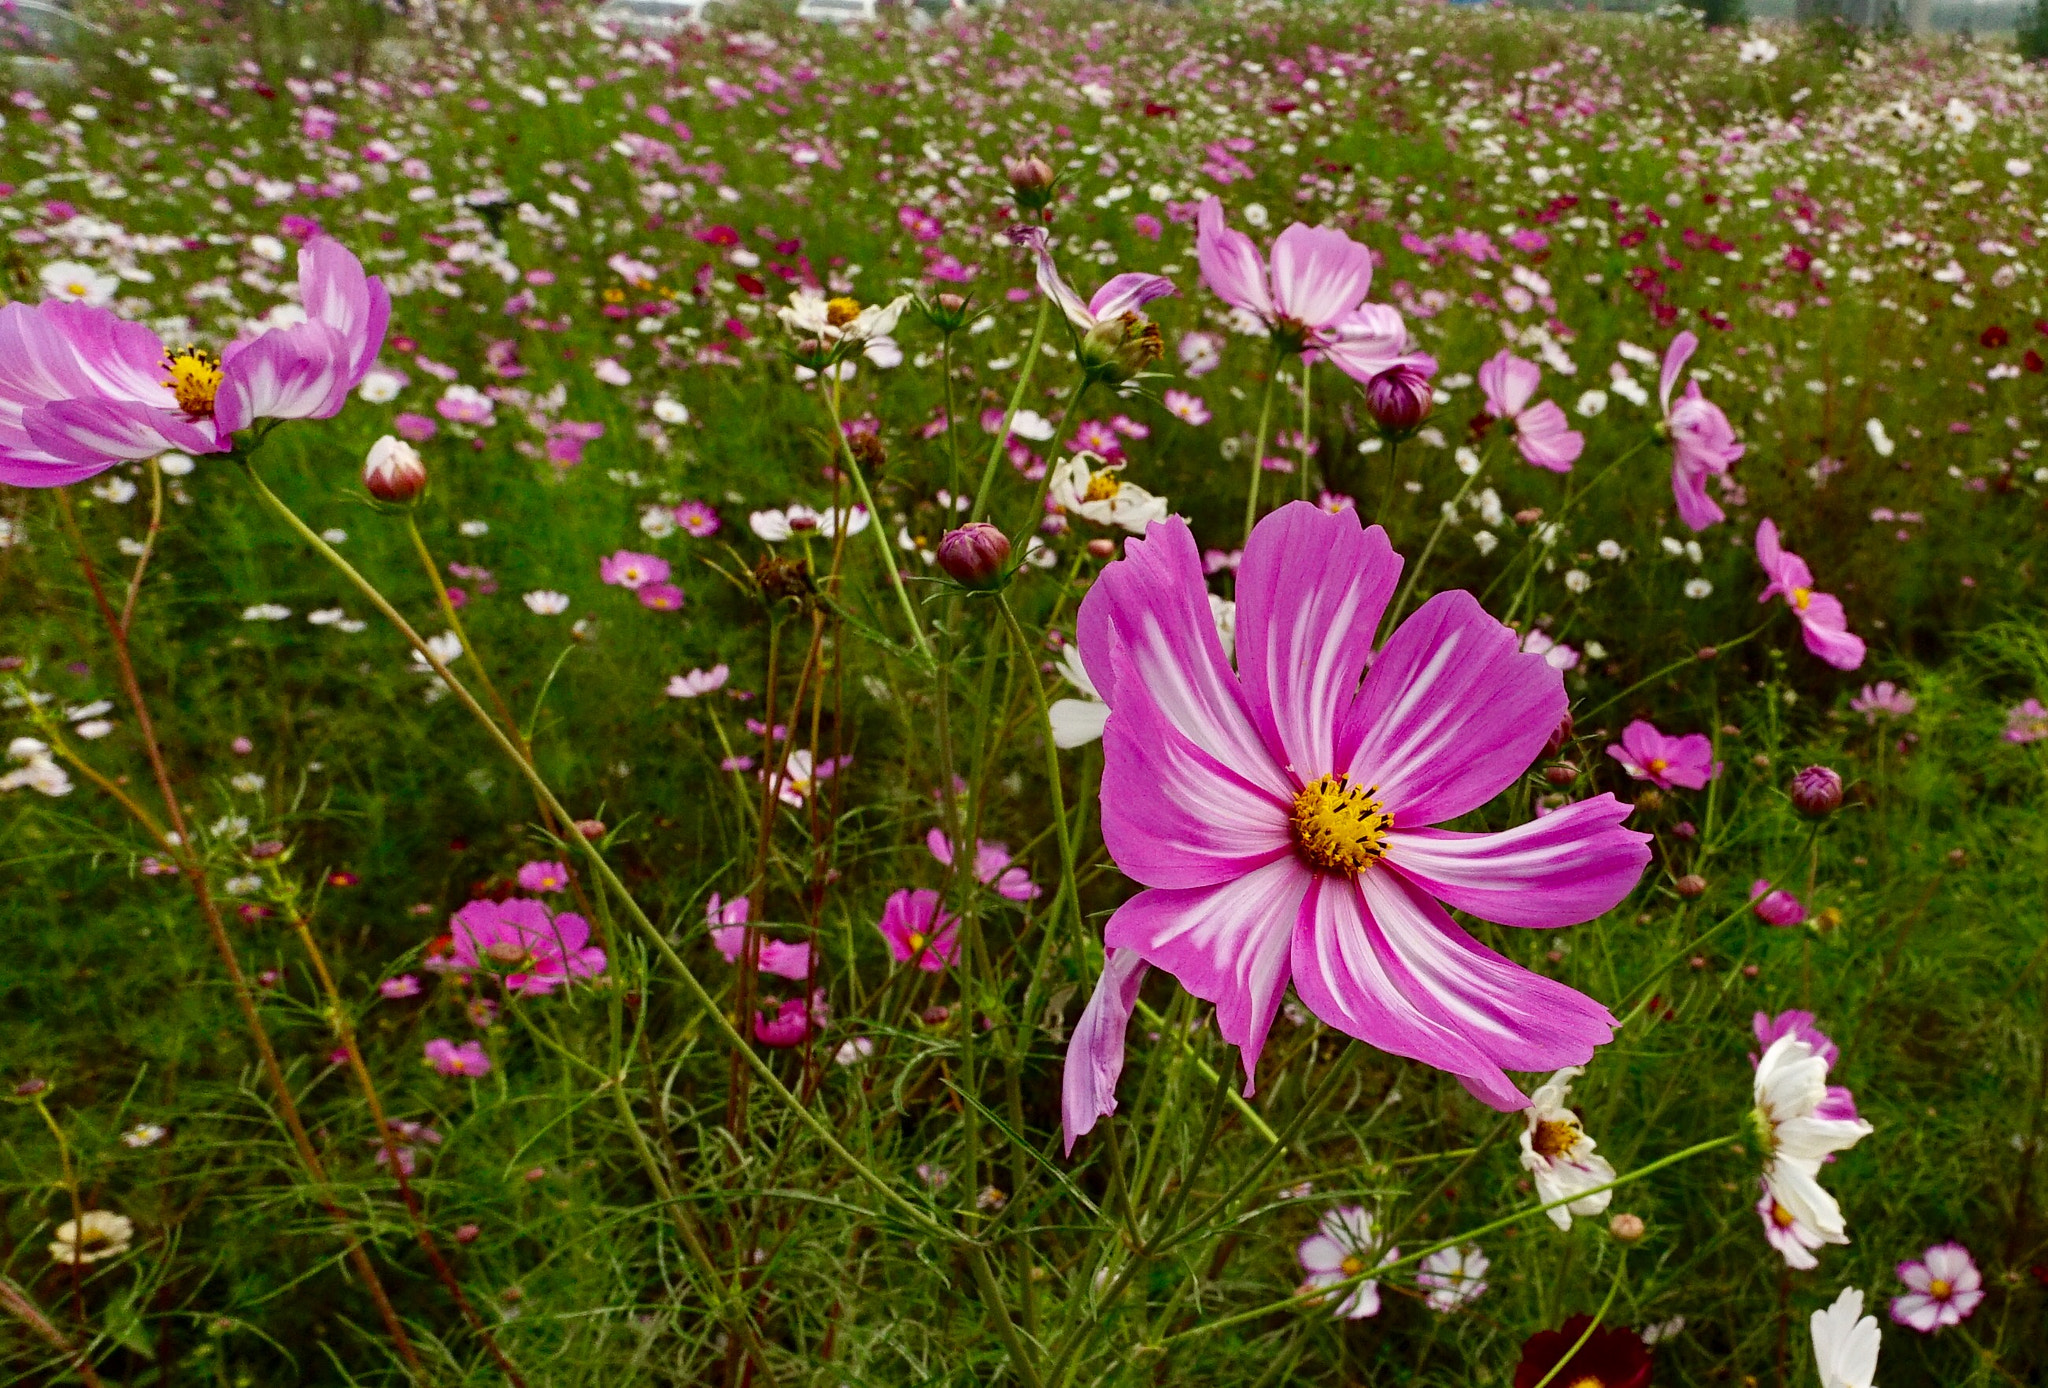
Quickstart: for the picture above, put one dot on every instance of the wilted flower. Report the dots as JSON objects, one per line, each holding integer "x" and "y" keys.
{"x": 1702, "y": 440}
{"x": 1884, "y": 698}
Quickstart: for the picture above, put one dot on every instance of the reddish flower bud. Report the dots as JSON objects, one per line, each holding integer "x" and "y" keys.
{"x": 1692, "y": 886}
{"x": 1031, "y": 181}
{"x": 1817, "y": 791}
{"x": 974, "y": 555}
{"x": 1559, "y": 736}
{"x": 1399, "y": 398}
{"x": 1628, "y": 1228}
{"x": 393, "y": 470}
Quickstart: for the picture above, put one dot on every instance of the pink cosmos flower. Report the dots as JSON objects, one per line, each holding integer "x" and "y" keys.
{"x": 1820, "y": 615}
{"x": 1648, "y": 755}
{"x": 1188, "y": 409}
{"x": 1541, "y": 432}
{"x": 991, "y": 867}
{"x": 916, "y": 929}
{"x": 1944, "y": 1288}
{"x": 1702, "y": 440}
{"x": 535, "y": 953}
{"x": 1344, "y": 1245}
{"x": 1114, "y": 337}
{"x": 1884, "y": 698}
{"x": 81, "y": 390}
{"x": 2026, "y": 722}
{"x": 625, "y": 569}
{"x": 449, "y": 1058}
{"x": 1775, "y": 905}
{"x": 1310, "y": 294}
{"x": 543, "y": 877}
{"x": 793, "y": 1022}
{"x": 403, "y": 986}
{"x": 1279, "y": 814}
{"x": 660, "y": 597}
{"x": 728, "y": 921}
{"x": 698, "y": 519}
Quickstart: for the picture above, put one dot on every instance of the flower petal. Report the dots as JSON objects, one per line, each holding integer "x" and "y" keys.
{"x": 1148, "y": 617}
{"x": 94, "y": 430}
{"x": 1508, "y": 381}
{"x": 1095, "y": 1052}
{"x": 334, "y": 291}
{"x": 1547, "y": 439}
{"x": 1827, "y": 635}
{"x": 1311, "y": 589}
{"x": 1049, "y": 282}
{"x": 1379, "y": 960}
{"x": 1227, "y": 944}
{"x": 1127, "y": 293}
{"x": 300, "y": 372}
{"x": 1231, "y": 264}
{"x": 1450, "y": 713}
{"x": 1077, "y": 721}
{"x": 1319, "y": 274}
{"x": 1570, "y": 866}
{"x": 1675, "y": 357}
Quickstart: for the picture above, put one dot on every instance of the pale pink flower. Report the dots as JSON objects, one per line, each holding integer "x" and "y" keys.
{"x": 1343, "y": 1246}
{"x": 1702, "y": 440}
{"x": 625, "y": 569}
{"x": 1943, "y": 1288}
{"x": 450, "y": 1058}
{"x": 1541, "y": 431}
{"x": 540, "y": 877}
{"x": 991, "y": 867}
{"x": 1648, "y": 755}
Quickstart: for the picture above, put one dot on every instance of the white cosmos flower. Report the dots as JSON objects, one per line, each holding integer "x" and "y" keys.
{"x": 1559, "y": 1155}
{"x": 380, "y": 387}
{"x": 1844, "y": 1346}
{"x": 95, "y": 1235}
{"x": 38, "y": 772}
{"x": 811, "y": 314}
{"x": 698, "y": 683}
{"x": 1879, "y": 439}
{"x": 1798, "y": 1215}
{"x": 1098, "y": 494}
{"x": 77, "y": 283}
{"x": 447, "y": 648}
{"x": 1343, "y": 1246}
{"x": 1076, "y": 722}
{"x": 545, "y": 602}
{"x": 1454, "y": 1276}
{"x": 671, "y": 411}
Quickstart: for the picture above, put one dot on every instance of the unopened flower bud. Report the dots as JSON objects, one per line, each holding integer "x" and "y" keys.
{"x": 1561, "y": 773}
{"x": 937, "y": 1015}
{"x": 1692, "y": 886}
{"x": 1116, "y": 349}
{"x": 592, "y": 829}
{"x": 1650, "y": 801}
{"x": 973, "y": 556}
{"x": 269, "y": 848}
{"x": 1559, "y": 736}
{"x": 1817, "y": 791}
{"x": 1399, "y": 399}
{"x": 949, "y": 313}
{"x": 393, "y": 470}
{"x": 28, "y": 1089}
{"x": 1031, "y": 182}
{"x": 1628, "y": 1228}
{"x": 1102, "y": 549}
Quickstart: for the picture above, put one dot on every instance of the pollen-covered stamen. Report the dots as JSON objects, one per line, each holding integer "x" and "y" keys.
{"x": 840, "y": 312}
{"x": 1555, "y": 1137}
{"x": 195, "y": 379}
{"x": 1339, "y": 826}
{"x": 1802, "y": 598}
{"x": 1103, "y": 486}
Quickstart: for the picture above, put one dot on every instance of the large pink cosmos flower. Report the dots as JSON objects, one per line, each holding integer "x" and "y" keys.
{"x": 1702, "y": 440}
{"x": 1311, "y": 296}
{"x": 1541, "y": 432}
{"x": 1821, "y": 619}
{"x": 82, "y": 390}
{"x": 535, "y": 953}
{"x": 1278, "y": 814}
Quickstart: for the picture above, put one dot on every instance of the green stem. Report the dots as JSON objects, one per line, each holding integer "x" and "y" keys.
{"x": 1036, "y": 514}
{"x": 1069, "y": 884}
{"x": 1443, "y": 519}
{"x": 1307, "y": 421}
{"x": 1591, "y": 1326}
{"x": 875, "y": 524}
{"x": 1002, "y": 439}
{"x": 1251, "y": 496}
{"x": 992, "y": 1294}
{"x": 1672, "y": 668}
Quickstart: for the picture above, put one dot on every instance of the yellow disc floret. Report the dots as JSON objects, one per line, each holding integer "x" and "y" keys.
{"x": 1103, "y": 486}
{"x": 840, "y": 312}
{"x": 1339, "y": 826}
{"x": 195, "y": 379}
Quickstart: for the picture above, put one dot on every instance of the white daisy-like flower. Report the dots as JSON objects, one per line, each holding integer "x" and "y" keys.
{"x": 95, "y": 1235}
{"x": 810, "y": 314}
{"x": 698, "y": 683}
{"x": 145, "y": 1135}
{"x": 77, "y": 283}
{"x": 266, "y": 612}
{"x": 671, "y": 411}
{"x": 247, "y": 782}
{"x": 379, "y": 386}
{"x": 1791, "y": 1084}
{"x": 1557, "y": 1153}
{"x": 658, "y": 522}
{"x": 545, "y": 602}
{"x": 1845, "y": 1342}
{"x": 1086, "y": 485}
{"x": 1343, "y": 1246}
{"x": 1698, "y": 588}
{"x": 1454, "y": 1276}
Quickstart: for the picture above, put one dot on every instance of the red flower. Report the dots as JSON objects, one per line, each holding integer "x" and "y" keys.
{"x": 1608, "y": 1359}
{"x": 1994, "y": 337}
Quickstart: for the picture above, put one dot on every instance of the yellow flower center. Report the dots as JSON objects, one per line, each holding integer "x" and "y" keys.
{"x": 1352, "y": 1265}
{"x": 195, "y": 379}
{"x": 1589, "y": 1381}
{"x": 1801, "y": 597}
{"x": 1939, "y": 1288}
{"x": 916, "y": 942}
{"x": 1781, "y": 1216}
{"x": 1555, "y": 1137}
{"x": 1658, "y": 764}
{"x": 840, "y": 312}
{"x": 1103, "y": 486}
{"x": 78, "y": 290}
{"x": 1339, "y": 826}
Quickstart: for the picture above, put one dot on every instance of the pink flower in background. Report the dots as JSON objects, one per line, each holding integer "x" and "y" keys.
{"x": 698, "y": 519}
{"x": 1188, "y": 409}
{"x": 1821, "y": 619}
{"x": 625, "y": 569}
{"x": 1774, "y": 905}
{"x": 1277, "y": 814}
{"x": 777, "y": 956}
{"x": 1147, "y": 226}
{"x": 1702, "y": 440}
{"x": 450, "y": 1058}
{"x": 659, "y": 597}
{"x": 1541, "y": 432}
{"x": 916, "y": 929}
{"x": 1648, "y": 755}
{"x": 718, "y": 911}
{"x": 1943, "y": 1288}
{"x": 1884, "y": 698}
{"x": 535, "y": 953}
{"x": 403, "y": 986}
{"x": 1344, "y": 1245}
{"x": 697, "y": 683}
{"x": 991, "y": 867}
{"x": 415, "y": 428}
{"x": 2026, "y": 722}
{"x": 540, "y": 877}
{"x": 793, "y": 1022}
{"x": 82, "y": 390}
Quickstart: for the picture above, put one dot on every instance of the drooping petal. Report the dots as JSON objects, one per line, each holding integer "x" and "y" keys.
{"x": 1370, "y": 339}
{"x": 1319, "y": 274}
{"x": 1095, "y": 1052}
{"x": 1826, "y": 627}
{"x": 1785, "y": 569}
{"x": 1696, "y": 510}
{"x": 1311, "y": 589}
{"x": 1450, "y": 713}
{"x": 1381, "y": 961}
{"x": 1508, "y": 381}
{"x": 1546, "y": 437}
{"x": 1570, "y": 866}
{"x": 334, "y": 290}
{"x": 1127, "y": 293}
{"x": 1174, "y": 816}
{"x": 1675, "y": 357}
{"x": 1231, "y": 264}
{"x": 1062, "y": 294}
{"x": 300, "y": 372}
{"x": 1148, "y": 615}
{"x": 1227, "y": 944}
{"x": 1076, "y": 722}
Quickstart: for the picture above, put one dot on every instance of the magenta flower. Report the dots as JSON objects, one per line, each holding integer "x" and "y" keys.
{"x": 416, "y": 428}
{"x": 1943, "y": 1288}
{"x": 403, "y": 986}
{"x": 793, "y": 1022}
{"x": 659, "y": 597}
{"x": 1541, "y": 432}
{"x": 1775, "y": 905}
{"x": 1821, "y": 619}
{"x": 916, "y": 929}
{"x": 1648, "y": 755}
{"x": 81, "y": 390}
{"x": 777, "y": 957}
{"x": 1279, "y": 814}
{"x": 991, "y": 867}
{"x": 698, "y": 519}
{"x": 1884, "y": 698}
{"x": 625, "y": 569}
{"x": 449, "y": 1058}
{"x": 2026, "y": 722}
{"x": 517, "y": 938}
{"x": 1310, "y": 295}
{"x": 1702, "y": 440}
{"x": 543, "y": 877}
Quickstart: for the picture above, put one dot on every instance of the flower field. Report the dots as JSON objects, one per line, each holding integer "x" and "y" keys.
{"x": 1078, "y": 695}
